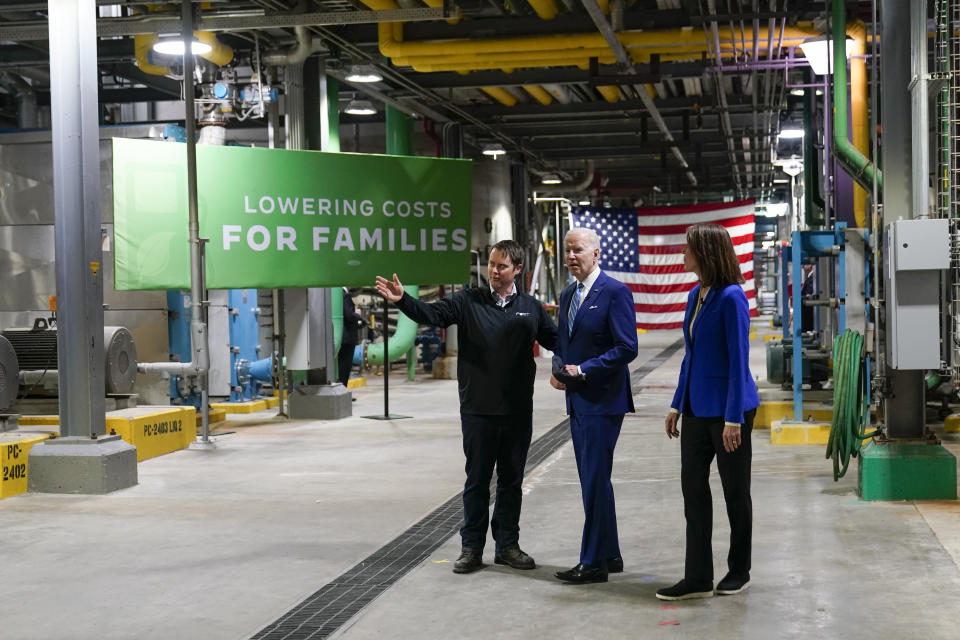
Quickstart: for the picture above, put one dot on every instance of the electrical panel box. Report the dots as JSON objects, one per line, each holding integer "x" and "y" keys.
{"x": 921, "y": 245}
{"x": 915, "y": 251}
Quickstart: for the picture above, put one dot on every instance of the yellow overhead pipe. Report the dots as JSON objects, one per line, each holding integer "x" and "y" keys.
{"x": 662, "y": 40}
{"x": 859, "y": 115}
{"x": 546, "y": 9}
{"x": 610, "y": 93}
{"x": 539, "y": 59}
{"x": 502, "y": 96}
{"x": 505, "y": 61}
{"x": 539, "y": 93}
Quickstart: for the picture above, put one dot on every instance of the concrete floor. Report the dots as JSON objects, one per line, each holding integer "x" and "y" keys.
{"x": 219, "y": 544}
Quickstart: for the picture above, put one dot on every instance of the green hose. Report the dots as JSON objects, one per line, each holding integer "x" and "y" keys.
{"x": 850, "y": 408}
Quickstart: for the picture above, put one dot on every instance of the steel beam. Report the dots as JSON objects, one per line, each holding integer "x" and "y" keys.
{"x": 108, "y": 27}
{"x": 76, "y": 194}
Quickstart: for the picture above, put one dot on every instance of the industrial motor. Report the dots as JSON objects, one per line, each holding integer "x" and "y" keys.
{"x": 9, "y": 370}
{"x": 36, "y": 350}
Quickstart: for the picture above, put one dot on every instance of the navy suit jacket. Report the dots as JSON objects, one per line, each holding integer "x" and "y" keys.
{"x": 603, "y": 343}
{"x": 715, "y": 377}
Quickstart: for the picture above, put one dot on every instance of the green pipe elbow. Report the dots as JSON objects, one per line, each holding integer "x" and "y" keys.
{"x": 401, "y": 341}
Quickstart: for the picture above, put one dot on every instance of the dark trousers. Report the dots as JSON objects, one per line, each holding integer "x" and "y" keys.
{"x": 345, "y": 361}
{"x": 488, "y": 442}
{"x": 594, "y": 438}
{"x": 701, "y": 440}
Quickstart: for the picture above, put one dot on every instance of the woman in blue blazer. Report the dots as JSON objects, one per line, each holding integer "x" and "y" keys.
{"x": 717, "y": 398}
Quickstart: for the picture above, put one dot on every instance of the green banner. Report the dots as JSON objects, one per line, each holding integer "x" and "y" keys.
{"x": 277, "y": 218}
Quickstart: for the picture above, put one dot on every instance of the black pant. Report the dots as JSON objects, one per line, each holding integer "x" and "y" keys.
{"x": 345, "y": 361}
{"x": 489, "y": 441}
{"x": 700, "y": 440}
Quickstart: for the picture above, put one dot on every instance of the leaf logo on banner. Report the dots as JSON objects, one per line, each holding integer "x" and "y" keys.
{"x": 153, "y": 257}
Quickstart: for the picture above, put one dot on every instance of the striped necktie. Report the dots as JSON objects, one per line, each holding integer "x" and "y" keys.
{"x": 574, "y": 305}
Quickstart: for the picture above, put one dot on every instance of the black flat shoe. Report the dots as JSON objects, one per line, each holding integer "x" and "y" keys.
{"x": 683, "y": 590}
{"x": 515, "y": 558}
{"x": 582, "y": 574}
{"x": 468, "y": 562}
{"x": 615, "y": 565}
{"x": 732, "y": 584}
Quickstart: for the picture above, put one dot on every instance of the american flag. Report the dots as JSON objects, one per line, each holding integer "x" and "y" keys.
{"x": 643, "y": 248}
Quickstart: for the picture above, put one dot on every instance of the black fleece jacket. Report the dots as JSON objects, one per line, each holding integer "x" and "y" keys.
{"x": 495, "y": 367}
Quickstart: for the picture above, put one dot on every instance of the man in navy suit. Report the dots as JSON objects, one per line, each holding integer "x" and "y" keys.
{"x": 597, "y": 339}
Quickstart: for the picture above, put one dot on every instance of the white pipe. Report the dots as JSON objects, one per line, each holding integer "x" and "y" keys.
{"x": 296, "y": 54}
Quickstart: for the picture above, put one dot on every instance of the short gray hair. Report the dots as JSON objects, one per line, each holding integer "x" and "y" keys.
{"x": 588, "y": 233}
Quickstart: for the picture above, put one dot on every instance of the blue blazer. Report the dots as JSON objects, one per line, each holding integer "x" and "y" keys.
{"x": 715, "y": 377}
{"x": 603, "y": 343}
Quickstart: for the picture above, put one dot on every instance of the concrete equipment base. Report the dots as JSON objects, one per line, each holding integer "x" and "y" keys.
{"x": 320, "y": 402}
{"x": 200, "y": 445}
{"x": 445, "y": 368}
{"x": 914, "y": 471}
{"x": 9, "y": 421}
{"x": 785, "y": 432}
{"x": 82, "y": 465}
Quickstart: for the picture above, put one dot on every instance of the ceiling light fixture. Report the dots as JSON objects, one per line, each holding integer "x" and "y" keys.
{"x": 584, "y": 203}
{"x": 796, "y": 92}
{"x": 550, "y": 179}
{"x": 363, "y": 73}
{"x": 819, "y": 53}
{"x": 495, "y": 149}
{"x": 172, "y": 45}
{"x": 360, "y": 108}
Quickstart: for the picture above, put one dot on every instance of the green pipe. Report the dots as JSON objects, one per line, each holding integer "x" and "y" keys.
{"x": 813, "y": 203}
{"x": 333, "y": 144}
{"x": 402, "y": 339}
{"x": 336, "y": 314}
{"x": 399, "y": 143}
{"x": 860, "y": 168}
{"x": 333, "y": 114}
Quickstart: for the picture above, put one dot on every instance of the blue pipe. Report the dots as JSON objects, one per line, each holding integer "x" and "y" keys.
{"x": 262, "y": 370}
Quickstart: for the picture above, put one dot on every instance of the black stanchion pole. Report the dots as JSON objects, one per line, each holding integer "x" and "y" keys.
{"x": 386, "y": 361}
{"x": 386, "y": 368}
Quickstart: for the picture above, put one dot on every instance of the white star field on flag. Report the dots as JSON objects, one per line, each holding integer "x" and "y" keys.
{"x": 617, "y": 230}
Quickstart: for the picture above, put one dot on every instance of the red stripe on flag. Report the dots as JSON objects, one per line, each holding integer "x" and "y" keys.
{"x": 671, "y": 229}
{"x": 660, "y": 325}
{"x": 661, "y": 288}
{"x": 662, "y": 268}
{"x": 661, "y": 249}
{"x": 693, "y": 208}
{"x": 673, "y": 249}
{"x": 660, "y": 308}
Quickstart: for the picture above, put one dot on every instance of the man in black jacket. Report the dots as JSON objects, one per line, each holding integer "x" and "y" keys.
{"x": 348, "y": 342}
{"x": 497, "y": 326}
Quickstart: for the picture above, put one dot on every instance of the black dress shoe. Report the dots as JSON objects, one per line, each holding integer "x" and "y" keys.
{"x": 733, "y": 583}
{"x": 514, "y": 557}
{"x": 583, "y": 573}
{"x": 615, "y": 565}
{"x": 468, "y": 561}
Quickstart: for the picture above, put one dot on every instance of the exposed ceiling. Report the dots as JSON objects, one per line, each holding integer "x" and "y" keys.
{"x": 634, "y": 87}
